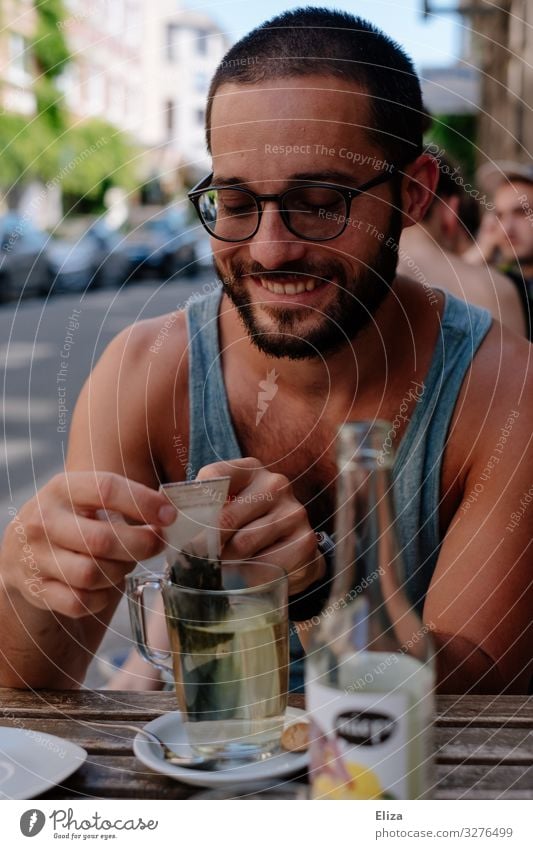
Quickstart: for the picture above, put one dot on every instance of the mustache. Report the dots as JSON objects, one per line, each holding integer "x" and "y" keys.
{"x": 317, "y": 270}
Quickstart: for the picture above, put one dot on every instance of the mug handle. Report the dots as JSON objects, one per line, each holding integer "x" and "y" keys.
{"x": 138, "y": 619}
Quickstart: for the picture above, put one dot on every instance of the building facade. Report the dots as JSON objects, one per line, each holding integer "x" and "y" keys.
{"x": 17, "y": 68}
{"x": 181, "y": 50}
{"x": 501, "y": 47}
{"x": 140, "y": 65}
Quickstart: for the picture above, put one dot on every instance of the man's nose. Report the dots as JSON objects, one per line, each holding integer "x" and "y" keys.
{"x": 273, "y": 244}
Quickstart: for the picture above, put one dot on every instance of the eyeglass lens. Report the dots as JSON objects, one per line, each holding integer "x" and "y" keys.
{"x": 312, "y": 212}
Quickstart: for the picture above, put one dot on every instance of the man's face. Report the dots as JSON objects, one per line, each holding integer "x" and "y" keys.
{"x": 514, "y": 210}
{"x": 269, "y": 136}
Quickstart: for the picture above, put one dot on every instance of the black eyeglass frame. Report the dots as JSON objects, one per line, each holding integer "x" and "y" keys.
{"x": 349, "y": 193}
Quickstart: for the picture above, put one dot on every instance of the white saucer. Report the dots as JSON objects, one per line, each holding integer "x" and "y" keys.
{"x": 169, "y": 729}
{"x": 32, "y": 762}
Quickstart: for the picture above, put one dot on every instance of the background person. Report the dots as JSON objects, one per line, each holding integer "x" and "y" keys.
{"x": 506, "y": 234}
{"x": 432, "y": 250}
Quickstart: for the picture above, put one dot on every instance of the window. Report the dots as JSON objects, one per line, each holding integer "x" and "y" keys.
{"x": 201, "y": 42}
{"x": 117, "y": 99}
{"x": 172, "y": 38}
{"x": 170, "y": 118}
{"x": 96, "y": 92}
{"x": 200, "y": 117}
{"x": 200, "y": 82}
{"x": 19, "y": 58}
{"x": 68, "y": 82}
{"x": 133, "y": 24}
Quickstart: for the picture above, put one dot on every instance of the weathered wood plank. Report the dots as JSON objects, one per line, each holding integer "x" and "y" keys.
{"x": 506, "y": 746}
{"x": 126, "y": 778}
{"x": 513, "y": 711}
{"x": 118, "y": 778}
{"x": 107, "y": 704}
{"x": 453, "y": 745}
{"x": 70, "y": 703}
{"x": 104, "y": 738}
{"x": 484, "y": 782}
{"x": 450, "y": 709}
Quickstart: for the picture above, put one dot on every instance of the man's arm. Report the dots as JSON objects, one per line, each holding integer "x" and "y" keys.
{"x": 480, "y": 601}
{"x": 55, "y": 607}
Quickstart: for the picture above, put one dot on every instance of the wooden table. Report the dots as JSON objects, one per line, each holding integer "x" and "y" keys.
{"x": 484, "y": 744}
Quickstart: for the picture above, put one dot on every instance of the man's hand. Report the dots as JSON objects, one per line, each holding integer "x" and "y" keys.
{"x": 487, "y": 241}
{"x": 60, "y": 554}
{"x": 263, "y": 520}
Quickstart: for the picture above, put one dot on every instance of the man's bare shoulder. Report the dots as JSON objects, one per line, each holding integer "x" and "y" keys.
{"x": 505, "y": 357}
{"x": 498, "y": 385}
{"x": 157, "y": 344}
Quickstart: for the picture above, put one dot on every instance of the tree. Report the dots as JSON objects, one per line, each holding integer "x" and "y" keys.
{"x": 84, "y": 158}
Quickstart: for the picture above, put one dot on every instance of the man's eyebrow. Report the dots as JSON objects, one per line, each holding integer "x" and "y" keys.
{"x": 228, "y": 181}
{"x": 330, "y": 175}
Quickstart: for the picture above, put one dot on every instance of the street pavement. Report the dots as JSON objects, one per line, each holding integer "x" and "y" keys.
{"x": 47, "y": 349}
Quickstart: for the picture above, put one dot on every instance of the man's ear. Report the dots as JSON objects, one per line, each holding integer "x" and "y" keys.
{"x": 418, "y": 188}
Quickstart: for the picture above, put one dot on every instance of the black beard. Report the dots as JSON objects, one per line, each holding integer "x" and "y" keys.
{"x": 357, "y": 301}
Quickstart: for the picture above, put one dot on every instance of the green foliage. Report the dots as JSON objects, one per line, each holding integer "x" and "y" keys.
{"x": 84, "y": 160}
{"x": 49, "y": 46}
{"x": 95, "y": 155}
{"x": 27, "y": 149}
{"x": 456, "y": 135}
{"x": 51, "y": 54}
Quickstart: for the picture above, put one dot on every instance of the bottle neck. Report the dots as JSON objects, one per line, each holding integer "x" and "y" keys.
{"x": 370, "y": 606}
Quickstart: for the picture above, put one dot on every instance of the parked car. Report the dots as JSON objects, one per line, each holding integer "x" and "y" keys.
{"x": 86, "y": 255}
{"x": 164, "y": 245}
{"x": 204, "y": 254}
{"x": 24, "y": 270}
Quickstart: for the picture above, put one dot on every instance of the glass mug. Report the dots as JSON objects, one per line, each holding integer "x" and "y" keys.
{"x": 228, "y": 655}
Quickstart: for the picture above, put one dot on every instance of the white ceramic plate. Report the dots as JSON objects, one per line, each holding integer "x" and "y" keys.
{"x": 32, "y": 762}
{"x": 169, "y": 729}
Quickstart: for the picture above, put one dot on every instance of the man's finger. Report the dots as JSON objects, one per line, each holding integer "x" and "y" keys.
{"x": 239, "y": 471}
{"x": 83, "y": 572}
{"x": 109, "y": 491}
{"x": 103, "y": 539}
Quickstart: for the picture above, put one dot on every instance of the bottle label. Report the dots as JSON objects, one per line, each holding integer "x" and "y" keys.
{"x": 361, "y": 746}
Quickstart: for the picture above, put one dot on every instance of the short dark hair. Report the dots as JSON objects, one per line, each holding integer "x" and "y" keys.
{"x": 469, "y": 210}
{"x": 312, "y": 40}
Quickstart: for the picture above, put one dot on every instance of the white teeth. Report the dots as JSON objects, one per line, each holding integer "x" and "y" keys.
{"x": 288, "y": 288}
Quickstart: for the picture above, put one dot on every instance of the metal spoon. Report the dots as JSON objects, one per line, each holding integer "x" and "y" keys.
{"x": 199, "y": 761}
{"x": 187, "y": 761}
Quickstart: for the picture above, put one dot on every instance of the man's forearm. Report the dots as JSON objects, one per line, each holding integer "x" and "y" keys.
{"x": 463, "y": 667}
{"x": 39, "y": 648}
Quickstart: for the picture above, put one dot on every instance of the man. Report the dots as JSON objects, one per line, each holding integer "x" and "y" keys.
{"x": 506, "y": 235}
{"x": 431, "y": 250}
{"x": 311, "y": 303}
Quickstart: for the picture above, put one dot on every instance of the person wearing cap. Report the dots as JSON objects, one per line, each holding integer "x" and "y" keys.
{"x": 431, "y": 250}
{"x": 506, "y": 233}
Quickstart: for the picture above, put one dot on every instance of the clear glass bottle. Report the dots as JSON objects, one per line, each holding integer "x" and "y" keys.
{"x": 370, "y": 670}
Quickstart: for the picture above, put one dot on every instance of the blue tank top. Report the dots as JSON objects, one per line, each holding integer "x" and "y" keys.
{"x": 417, "y": 466}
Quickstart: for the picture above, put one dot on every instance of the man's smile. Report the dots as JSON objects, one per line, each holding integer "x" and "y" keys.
{"x": 303, "y": 287}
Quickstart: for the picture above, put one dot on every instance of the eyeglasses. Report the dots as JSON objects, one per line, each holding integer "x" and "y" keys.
{"x": 316, "y": 212}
